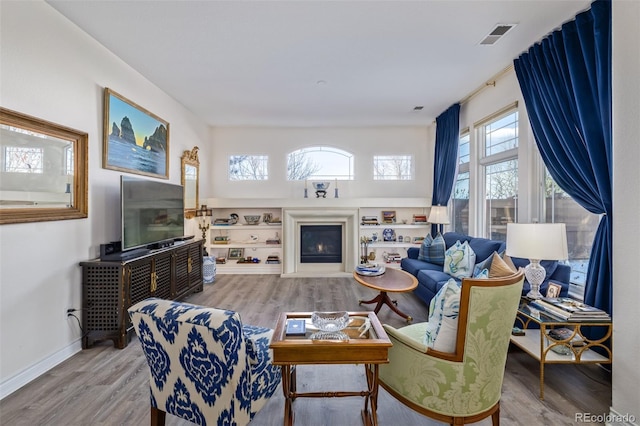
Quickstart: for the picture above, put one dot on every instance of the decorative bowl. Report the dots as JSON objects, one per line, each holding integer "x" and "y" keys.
{"x": 330, "y": 321}
{"x": 320, "y": 186}
{"x": 252, "y": 219}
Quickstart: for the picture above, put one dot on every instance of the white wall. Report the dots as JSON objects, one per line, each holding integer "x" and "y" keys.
{"x": 626, "y": 205}
{"x": 363, "y": 143}
{"x": 52, "y": 70}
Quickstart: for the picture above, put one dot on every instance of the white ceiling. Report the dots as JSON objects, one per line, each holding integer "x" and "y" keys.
{"x": 258, "y": 63}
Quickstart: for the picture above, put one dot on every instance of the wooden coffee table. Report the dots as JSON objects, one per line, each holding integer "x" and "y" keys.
{"x": 393, "y": 280}
{"x": 371, "y": 349}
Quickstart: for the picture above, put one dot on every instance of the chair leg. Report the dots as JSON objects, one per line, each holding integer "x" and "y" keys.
{"x": 495, "y": 417}
{"x": 157, "y": 417}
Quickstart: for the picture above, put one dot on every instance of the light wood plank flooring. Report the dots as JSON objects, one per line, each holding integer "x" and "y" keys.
{"x": 107, "y": 386}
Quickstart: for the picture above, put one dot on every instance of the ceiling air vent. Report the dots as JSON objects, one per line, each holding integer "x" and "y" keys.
{"x": 496, "y": 34}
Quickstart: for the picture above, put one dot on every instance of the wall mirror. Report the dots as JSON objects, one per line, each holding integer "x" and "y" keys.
{"x": 190, "y": 181}
{"x": 43, "y": 170}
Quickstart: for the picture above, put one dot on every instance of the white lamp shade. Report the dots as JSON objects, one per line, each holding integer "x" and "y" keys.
{"x": 439, "y": 214}
{"x": 539, "y": 241}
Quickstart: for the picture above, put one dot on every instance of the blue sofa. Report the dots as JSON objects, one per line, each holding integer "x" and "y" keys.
{"x": 431, "y": 277}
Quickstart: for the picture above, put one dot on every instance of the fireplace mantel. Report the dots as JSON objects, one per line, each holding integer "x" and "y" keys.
{"x": 291, "y": 221}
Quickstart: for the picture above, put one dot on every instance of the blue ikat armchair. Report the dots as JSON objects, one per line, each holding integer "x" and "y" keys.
{"x": 206, "y": 366}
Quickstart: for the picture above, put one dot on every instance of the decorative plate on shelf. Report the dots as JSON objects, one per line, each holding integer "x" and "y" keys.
{"x": 388, "y": 234}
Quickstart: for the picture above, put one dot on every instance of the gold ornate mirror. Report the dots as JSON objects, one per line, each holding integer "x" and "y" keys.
{"x": 43, "y": 170}
{"x": 190, "y": 181}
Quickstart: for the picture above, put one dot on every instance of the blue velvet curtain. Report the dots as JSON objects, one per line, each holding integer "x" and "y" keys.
{"x": 566, "y": 84}
{"x": 446, "y": 157}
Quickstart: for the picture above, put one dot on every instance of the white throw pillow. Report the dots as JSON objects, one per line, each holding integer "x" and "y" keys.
{"x": 459, "y": 260}
{"x": 443, "y": 318}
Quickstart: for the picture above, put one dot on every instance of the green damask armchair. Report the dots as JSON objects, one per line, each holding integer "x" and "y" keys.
{"x": 463, "y": 386}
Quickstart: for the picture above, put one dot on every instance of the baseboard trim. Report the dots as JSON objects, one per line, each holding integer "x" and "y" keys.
{"x": 617, "y": 419}
{"x": 29, "y": 374}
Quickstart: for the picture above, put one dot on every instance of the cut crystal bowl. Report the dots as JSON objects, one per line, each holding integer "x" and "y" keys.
{"x": 330, "y": 325}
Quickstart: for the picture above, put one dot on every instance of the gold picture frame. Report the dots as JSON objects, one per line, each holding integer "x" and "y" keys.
{"x": 134, "y": 139}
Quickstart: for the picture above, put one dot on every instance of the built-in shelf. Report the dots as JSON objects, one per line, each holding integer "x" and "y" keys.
{"x": 342, "y": 210}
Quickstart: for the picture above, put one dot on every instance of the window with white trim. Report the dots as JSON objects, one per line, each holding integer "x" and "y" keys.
{"x": 499, "y": 161}
{"x": 248, "y": 167}
{"x": 461, "y": 188}
{"x": 320, "y": 162}
{"x": 392, "y": 167}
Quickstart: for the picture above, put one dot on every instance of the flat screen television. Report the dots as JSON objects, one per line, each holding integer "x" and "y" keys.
{"x": 151, "y": 212}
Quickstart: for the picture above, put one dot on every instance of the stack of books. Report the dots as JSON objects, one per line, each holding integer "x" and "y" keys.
{"x": 569, "y": 309}
{"x": 273, "y": 240}
{"x": 392, "y": 257}
{"x": 370, "y": 220}
{"x": 419, "y": 219}
{"x": 273, "y": 258}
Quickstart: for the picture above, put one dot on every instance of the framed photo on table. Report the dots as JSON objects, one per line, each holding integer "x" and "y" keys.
{"x": 553, "y": 290}
{"x": 235, "y": 253}
{"x": 135, "y": 140}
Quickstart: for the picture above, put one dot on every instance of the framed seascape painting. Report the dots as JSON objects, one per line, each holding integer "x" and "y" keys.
{"x": 135, "y": 140}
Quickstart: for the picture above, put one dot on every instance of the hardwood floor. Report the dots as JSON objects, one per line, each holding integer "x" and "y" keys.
{"x": 107, "y": 386}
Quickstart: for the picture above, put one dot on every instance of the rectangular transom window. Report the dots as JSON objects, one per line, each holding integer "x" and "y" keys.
{"x": 501, "y": 135}
{"x": 393, "y": 167}
{"x": 248, "y": 167}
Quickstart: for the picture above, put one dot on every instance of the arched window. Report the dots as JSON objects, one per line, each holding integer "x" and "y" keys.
{"x": 319, "y": 162}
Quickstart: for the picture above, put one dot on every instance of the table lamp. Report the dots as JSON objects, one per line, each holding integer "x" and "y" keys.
{"x": 439, "y": 215}
{"x": 536, "y": 241}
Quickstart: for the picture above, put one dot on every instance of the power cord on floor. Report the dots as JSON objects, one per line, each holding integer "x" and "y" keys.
{"x": 70, "y": 313}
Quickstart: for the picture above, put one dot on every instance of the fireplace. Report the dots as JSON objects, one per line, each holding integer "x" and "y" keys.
{"x": 328, "y": 260}
{"x": 321, "y": 244}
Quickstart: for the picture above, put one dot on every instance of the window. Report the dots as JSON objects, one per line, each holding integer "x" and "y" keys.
{"x": 461, "y": 188}
{"x": 501, "y": 189}
{"x": 581, "y": 226}
{"x": 499, "y": 137}
{"x": 248, "y": 167}
{"x": 23, "y": 159}
{"x": 68, "y": 160}
{"x": 319, "y": 162}
{"x": 392, "y": 167}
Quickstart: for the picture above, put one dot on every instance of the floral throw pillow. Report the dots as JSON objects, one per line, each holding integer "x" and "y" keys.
{"x": 459, "y": 260}
{"x": 442, "y": 326}
{"x": 432, "y": 249}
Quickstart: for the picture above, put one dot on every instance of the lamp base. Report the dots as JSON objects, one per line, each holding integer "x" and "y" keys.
{"x": 535, "y": 273}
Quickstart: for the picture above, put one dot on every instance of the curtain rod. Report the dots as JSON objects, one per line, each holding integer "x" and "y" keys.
{"x": 490, "y": 82}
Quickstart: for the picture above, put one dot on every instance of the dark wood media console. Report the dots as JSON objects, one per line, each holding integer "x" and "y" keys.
{"x": 111, "y": 287}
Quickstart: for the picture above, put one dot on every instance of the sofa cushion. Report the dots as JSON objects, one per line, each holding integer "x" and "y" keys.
{"x": 432, "y": 280}
{"x": 432, "y": 249}
{"x": 500, "y": 267}
{"x": 414, "y": 266}
{"x": 482, "y": 266}
{"x": 442, "y": 326}
{"x": 459, "y": 260}
{"x": 482, "y": 247}
{"x": 482, "y": 274}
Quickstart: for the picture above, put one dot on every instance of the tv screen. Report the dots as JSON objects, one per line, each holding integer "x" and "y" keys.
{"x": 151, "y": 212}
